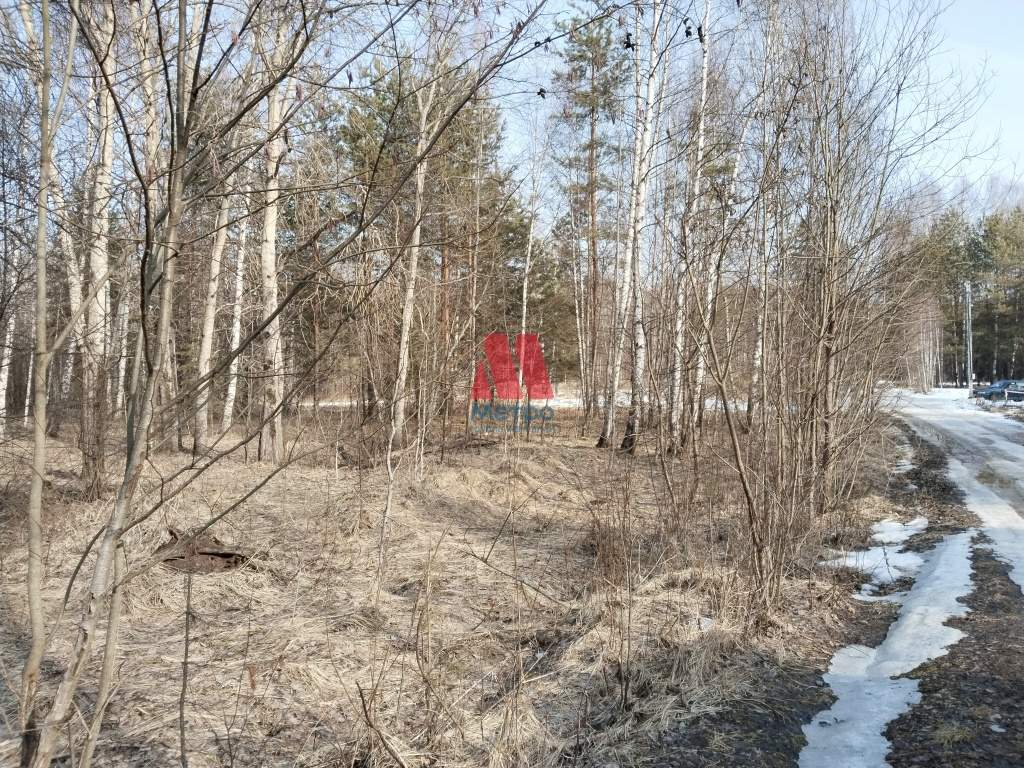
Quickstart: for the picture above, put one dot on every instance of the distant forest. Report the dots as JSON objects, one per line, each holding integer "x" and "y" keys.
{"x": 986, "y": 257}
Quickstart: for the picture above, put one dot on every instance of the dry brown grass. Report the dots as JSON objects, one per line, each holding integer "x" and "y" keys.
{"x": 537, "y": 605}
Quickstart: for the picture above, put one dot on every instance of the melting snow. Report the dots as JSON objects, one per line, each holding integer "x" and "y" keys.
{"x": 1001, "y": 523}
{"x": 869, "y": 693}
{"x": 886, "y": 562}
{"x": 986, "y": 462}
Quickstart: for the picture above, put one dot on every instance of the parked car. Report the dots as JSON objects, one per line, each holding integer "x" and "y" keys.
{"x": 1004, "y": 389}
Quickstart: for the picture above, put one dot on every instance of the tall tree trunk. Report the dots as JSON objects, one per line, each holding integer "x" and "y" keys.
{"x": 5, "y": 369}
{"x": 29, "y": 384}
{"x": 94, "y": 402}
{"x": 644, "y": 100}
{"x": 74, "y": 272}
{"x": 523, "y": 398}
{"x": 209, "y": 322}
{"x": 474, "y": 259}
{"x": 121, "y": 350}
{"x": 34, "y": 513}
{"x": 593, "y": 273}
{"x": 648, "y": 107}
{"x": 580, "y": 317}
{"x": 705, "y": 307}
{"x": 236, "y": 324}
{"x": 139, "y": 422}
{"x": 398, "y": 405}
{"x": 272, "y": 443}
{"x": 696, "y": 170}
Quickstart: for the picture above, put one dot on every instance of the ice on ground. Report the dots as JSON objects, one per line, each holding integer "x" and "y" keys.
{"x": 1000, "y": 521}
{"x": 886, "y": 562}
{"x": 869, "y": 692}
{"x": 986, "y": 461}
{"x": 890, "y": 531}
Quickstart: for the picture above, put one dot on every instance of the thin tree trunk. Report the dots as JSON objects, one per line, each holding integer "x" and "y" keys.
{"x": 140, "y": 419}
{"x": 398, "y": 405}
{"x": 236, "y": 324}
{"x": 273, "y": 366}
{"x": 98, "y": 309}
{"x": 638, "y": 180}
{"x": 693, "y": 196}
{"x": 122, "y": 351}
{"x": 697, "y": 398}
{"x": 474, "y": 258}
{"x": 34, "y": 513}
{"x": 29, "y": 384}
{"x": 593, "y": 273}
{"x": 209, "y": 322}
{"x": 523, "y": 413}
{"x": 5, "y": 368}
{"x": 74, "y": 270}
{"x": 109, "y": 659}
{"x": 650, "y": 108}
{"x": 580, "y": 317}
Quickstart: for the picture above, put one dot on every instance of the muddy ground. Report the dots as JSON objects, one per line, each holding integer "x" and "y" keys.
{"x": 972, "y": 711}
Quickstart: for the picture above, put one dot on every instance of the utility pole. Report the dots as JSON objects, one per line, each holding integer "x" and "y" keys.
{"x": 968, "y": 338}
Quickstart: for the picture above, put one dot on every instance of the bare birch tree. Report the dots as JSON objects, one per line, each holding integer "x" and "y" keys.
{"x": 645, "y": 89}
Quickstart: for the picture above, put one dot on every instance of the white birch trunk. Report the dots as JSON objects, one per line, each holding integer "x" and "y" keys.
{"x": 5, "y": 369}
{"x": 525, "y": 300}
{"x": 236, "y": 326}
{"x": 122, "y": 353}
{"x": 209, "y": 322}
{"x": 693, "y": 200}
{"x": 580, "y": 313}
{"x": 425, "y": 103}
{"x": 74, "y": 270}
{"x": 651, "y": 106}
{"x": 273, "y": 363}
{"x": 28, "y": 386}
{"x": 94, "y": 341}
{"x": 642, "y": 140}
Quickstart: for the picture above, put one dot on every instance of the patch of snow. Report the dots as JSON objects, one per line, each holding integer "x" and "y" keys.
{"x": 866, "y": 681}
{"x": 331, "y": 404}
{"x": 986, "y": 461}
{"x": 715, "y": 404}
{"x": 886, "y": 562}
{"x": 891, "y": 531}
{"x": 1001, "y": 522}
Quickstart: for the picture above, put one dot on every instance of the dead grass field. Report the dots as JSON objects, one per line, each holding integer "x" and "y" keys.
{"x": 537, "y": 606}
